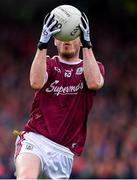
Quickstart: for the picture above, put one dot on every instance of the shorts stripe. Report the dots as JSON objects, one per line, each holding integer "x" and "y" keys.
{"x": 19, "y": 144}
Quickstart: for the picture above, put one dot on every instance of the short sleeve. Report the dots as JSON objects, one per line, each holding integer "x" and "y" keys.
{"x": 49, "y": 65}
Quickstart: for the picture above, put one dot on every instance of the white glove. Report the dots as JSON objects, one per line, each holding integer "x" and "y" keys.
{"x": 85, "y": 32}
{"x": 48, "y": 31}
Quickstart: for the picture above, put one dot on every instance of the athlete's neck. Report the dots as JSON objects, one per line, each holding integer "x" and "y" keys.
{"x": 71, "y": 62}
{"x": 73, "y": 59}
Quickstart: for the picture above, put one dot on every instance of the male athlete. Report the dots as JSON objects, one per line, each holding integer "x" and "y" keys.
{"x": 65, "y": 89}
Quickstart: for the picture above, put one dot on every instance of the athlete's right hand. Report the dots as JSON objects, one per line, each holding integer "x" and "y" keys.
{"x": 85, "y": 32}
{"x": 48, "y": 31}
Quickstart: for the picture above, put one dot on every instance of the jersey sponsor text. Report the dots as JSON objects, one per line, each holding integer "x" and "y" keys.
{"x": 54, "y": 87}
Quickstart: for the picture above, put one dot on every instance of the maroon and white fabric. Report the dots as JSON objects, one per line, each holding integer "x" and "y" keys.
{"x": 60, "y": 109}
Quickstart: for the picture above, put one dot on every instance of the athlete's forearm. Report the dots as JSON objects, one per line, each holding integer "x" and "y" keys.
{"x": 92, "y": 72}
{"x": 38, "y": 69}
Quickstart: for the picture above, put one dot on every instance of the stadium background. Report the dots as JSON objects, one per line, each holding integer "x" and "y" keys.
{"x": 111, "y": 146}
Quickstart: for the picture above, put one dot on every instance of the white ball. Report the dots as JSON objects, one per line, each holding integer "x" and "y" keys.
{"x": 68, "y": 18}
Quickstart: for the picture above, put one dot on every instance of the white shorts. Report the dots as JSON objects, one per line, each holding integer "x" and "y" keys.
{"x": 56, "y": 160}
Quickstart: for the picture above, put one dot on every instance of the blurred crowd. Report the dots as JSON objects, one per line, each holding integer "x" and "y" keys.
{"x": 111, "y": 146}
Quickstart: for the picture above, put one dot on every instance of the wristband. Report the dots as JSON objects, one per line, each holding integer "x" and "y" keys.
{"x": 87, "y": 44}
{"x": 42, "y": 45}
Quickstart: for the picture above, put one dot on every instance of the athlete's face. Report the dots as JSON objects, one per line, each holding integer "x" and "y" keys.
{"x": 68, "y": 49}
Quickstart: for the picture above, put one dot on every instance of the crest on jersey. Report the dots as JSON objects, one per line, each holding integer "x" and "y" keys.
{"x": 79, "y": 71}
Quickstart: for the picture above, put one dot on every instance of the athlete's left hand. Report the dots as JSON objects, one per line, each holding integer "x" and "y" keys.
{"x": 85, "y": 32}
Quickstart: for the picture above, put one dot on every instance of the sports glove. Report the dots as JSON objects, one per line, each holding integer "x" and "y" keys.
{"x": 48, "y": 31}
{"x": 85, "y": 32}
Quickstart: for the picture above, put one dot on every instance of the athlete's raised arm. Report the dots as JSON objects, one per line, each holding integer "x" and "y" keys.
{"x": 93, "y": 76}
{"x": 38, "y": 75}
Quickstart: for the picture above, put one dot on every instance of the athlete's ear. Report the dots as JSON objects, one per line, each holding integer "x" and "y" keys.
{"x": 78, "y": 39}
{"x": 80, "y": 42}
{"x": 55, "y": 41}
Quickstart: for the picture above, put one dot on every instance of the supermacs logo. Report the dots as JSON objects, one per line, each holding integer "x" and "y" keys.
{"x": 63, "y": 90}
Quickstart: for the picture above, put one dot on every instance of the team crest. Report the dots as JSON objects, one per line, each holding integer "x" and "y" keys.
{"x": 79, "y": 71}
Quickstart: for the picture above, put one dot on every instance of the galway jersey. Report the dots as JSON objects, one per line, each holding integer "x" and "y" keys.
{"x": 60, "y": 109}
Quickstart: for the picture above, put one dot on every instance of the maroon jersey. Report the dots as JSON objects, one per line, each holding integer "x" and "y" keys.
{"x": 60, "y": 109}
